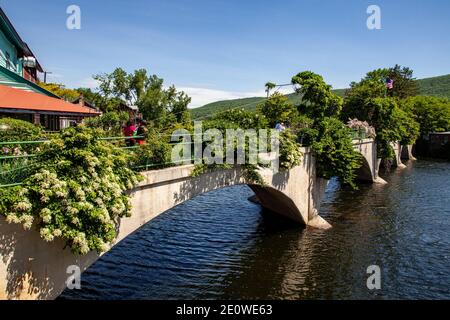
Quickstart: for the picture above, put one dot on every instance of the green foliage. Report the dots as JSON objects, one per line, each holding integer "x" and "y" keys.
{"x": 77, "y": 191}
{"x": 156, "y": 153}
{"x": 368, "y": 101}
{"x": 404, "y": 83}
{"x": 435, "y": 86}
{"x": 277, "y": 108}
{"x": 432, "y": 113}
{"x": 356, "y": 97}
{"x": 320, "y": 128}
{"x": 210, "y": 109}
{"x": 202, "y": 168}
{"x": 19, "y": 130}
{"x": 318, "y": 100}
{"x": 290, "y": 154}
{"x": 14, "y": 170}
{"x": 60, "y": 90}
{"x": 391, "y": 122}
{"x": 335, "y": 156}
{"x": 111, "y": 122}
{"x": 157, "y": 104}
{"x": 94, "y": 98}
{"x": 252, "y": 175}
{"x": 236, "y": 118}
{"x": 407, "y": 127}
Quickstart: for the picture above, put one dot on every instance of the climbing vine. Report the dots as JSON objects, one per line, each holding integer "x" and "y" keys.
{"x": 323, "y": 131}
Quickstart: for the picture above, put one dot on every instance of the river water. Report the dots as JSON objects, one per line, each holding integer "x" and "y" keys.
{"x": 220, "y": 245}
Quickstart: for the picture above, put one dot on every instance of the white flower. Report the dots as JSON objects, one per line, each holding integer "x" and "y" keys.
{"x": 57, "y": 232}
{"x": 72, "y": 210}
{"x": 22, "y": 206}
{"x": 45, "y": 211}
{"x": 46, "y": 234}
{"x": 27, "y": 221}
{"x": 47, "y": 218}
{"x": 61, "y": 194}
{"x": 12, "y": 218}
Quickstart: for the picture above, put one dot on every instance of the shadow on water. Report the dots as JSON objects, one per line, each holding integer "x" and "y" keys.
{"x": 219, "y": 245}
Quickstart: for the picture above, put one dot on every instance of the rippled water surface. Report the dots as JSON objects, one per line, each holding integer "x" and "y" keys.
{"x": 220, "y": 245}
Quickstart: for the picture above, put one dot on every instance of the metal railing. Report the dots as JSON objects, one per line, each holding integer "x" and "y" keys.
{"x": 26, "y": 156}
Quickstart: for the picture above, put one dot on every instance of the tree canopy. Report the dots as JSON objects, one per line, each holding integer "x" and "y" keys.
{"x": 156, "y": 103}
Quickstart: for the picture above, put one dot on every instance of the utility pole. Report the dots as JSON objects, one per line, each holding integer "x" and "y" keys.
{"x": 45, "y": 76}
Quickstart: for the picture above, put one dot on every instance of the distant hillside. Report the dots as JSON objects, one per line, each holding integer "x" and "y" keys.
{"x": 211, "y": 108}
{"x": 436, "y": 86}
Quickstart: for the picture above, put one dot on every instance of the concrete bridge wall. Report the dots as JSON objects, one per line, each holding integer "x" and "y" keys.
{"x": 371, "y": 164}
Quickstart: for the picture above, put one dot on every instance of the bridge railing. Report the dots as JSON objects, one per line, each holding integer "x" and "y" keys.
{"x": 16, "y": 162}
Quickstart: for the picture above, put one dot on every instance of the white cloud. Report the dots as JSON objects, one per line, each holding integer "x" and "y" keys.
{"x": 51, "y": 76}
{"x": 202, "y": 96}
{"x": 88, "y": 83}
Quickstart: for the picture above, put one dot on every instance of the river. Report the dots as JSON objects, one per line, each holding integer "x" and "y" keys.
{"x": 221, "y": 246}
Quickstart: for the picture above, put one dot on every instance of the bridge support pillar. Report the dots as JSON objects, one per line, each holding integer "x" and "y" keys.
{"x": 407, "y": 153}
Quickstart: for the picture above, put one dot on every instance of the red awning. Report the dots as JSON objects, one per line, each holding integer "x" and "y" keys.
{"x": 11, "y": 98}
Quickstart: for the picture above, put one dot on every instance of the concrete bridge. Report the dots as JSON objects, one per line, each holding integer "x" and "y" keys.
{"x": 33, "y": 269}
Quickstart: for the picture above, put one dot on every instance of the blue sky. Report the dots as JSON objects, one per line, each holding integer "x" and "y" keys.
{"x": 219, "y": 49}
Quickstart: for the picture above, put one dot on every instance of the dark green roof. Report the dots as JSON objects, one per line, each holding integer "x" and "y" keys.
{"x": 10, "y": 79}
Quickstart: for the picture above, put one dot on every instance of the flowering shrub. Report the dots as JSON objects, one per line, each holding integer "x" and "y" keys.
{"x": 77, "y": 191}
{"x": 290, "y": 154}
{"x": 362, "y": 126}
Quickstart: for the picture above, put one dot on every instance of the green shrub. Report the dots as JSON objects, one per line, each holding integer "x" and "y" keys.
{"x": 111, "y": 122}
{"x": 76, "y": 192}
{"x": 156, "y": 153}
{"x": 19, "y": 130}
{"x": 335, "y": 156}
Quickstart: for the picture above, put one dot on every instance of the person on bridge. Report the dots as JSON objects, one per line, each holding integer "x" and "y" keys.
{"x": 129, "y": 131}
{"x": 280, "y": 127}
{"x": 142, "y": 132}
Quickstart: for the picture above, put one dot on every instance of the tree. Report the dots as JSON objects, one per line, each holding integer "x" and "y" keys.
{"x": 156, "y": 103}
{"x": 269, "y": 86}
{"x": 277, "y": 108}
{"x": 432, "y": 113}
{"x": 60, "y": 90}
{"x": 92, "y": 97}
{"x": 318, "y": 100}
{"x": 369, "y": 100}
{"x": 374, "y": 83}
{"x": 327, "y": 135}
